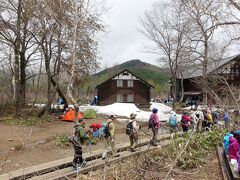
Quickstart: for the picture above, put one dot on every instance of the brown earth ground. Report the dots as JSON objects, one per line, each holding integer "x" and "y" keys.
{"x": 23, "y": 146}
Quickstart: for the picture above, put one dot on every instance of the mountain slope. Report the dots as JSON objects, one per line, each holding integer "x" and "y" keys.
{"x": 150, "y": 73}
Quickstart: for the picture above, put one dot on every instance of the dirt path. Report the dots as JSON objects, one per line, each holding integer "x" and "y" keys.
{"x": 36, "y": 144}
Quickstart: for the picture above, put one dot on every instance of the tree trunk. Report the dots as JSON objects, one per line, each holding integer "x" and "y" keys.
{"x": 16, "y": 64}
{"x": 48, "y": 105}
{"x": 205, "y": 64}
{"x": 54, "y": 83}
{"x": 47, "y": 67}
{"x": 38, "y": 80}
{"x": 22, "y": 79}
{"x": 182, "y": 90}
{"x": 16, "y": 83}
{"x": 174, "y": 81}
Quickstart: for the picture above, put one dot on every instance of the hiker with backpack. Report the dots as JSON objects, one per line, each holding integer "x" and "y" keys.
{"x": 77, "y": 140}
{"x": 185, "y": 122}
{"x": 132, "y": 131}
{"x": 109, "y": 136}
{"x": 226, "y": 118}
{"x": 173, "y": 124}
{"x": 226, "y": 142}
{"x": 154, "y": 124}
{"x": 215, "y": 117}
{"x": 209, "y": 120}
{"x": 95, "y": 129}
{"x": 199, "y": 117}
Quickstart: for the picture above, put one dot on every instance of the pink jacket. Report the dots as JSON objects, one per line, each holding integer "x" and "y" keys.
{"x": 187, "y": 120}
{"x": 234, "y": 147}
{"x": 156, "y": 120}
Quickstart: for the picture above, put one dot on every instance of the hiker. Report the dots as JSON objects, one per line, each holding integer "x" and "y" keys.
{"x": 234, "y": 145}
{"x": 95, "y": 101}
{"x": 215, "y": 117}
{"x": 205, "y": 119}
{"x": 226, "y": 118}
{"x": 209, "y": 120}
{"x": 132, "y": 131}
{"x": 199, "y": 119}
{"x": 193, "y": 120}
{"x": 173, "y": 124}
{"x": 60, "y": 101}
{"x": 154, "y": 124}
{"x": 185, "y": 122}
{"x": 95, "y": 129}
{"x": 109, "y": 136}
{"x": 226, "y": 141}
{"x": 77, "y": 139}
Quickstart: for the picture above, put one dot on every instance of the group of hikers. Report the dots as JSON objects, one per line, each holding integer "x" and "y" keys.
{"x": 203, "y": 119}
{"x": 107, "y": 131}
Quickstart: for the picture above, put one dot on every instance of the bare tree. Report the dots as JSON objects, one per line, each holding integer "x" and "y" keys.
{"x": 205, "y": 17}
{"x": 166, "y": 27}
{"x": 67, "y": 40}
{"x": 15, "y": 27}
{"x": 82, "y": 47}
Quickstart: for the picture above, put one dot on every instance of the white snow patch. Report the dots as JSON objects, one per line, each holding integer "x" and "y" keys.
{"x": 161, "y": 107}
{"x": 125, "y": 109}
{"x": 119, "y": 109}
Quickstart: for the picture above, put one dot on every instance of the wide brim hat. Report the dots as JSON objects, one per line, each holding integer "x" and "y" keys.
{"x": 132, "y": 115}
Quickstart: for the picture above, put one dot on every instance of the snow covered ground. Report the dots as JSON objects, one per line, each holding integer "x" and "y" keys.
{"x": 125, "y": 109}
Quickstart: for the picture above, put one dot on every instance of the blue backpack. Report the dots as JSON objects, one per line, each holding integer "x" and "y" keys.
{"x": 104, "y": 130}
{"x": 172, "y": 121}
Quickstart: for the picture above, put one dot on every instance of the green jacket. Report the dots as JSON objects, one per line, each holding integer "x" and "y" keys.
{"x": 79, "y": 132}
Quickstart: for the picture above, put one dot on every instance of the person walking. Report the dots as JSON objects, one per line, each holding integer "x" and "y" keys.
{"x": 226, "y": 118}
{"x": 185, "y": 122}
{"x": 109, "y": 136}
{"x": 77, "y": 140}
{"x": 199, "y": 119}
{"x": 132, "y": 131}
{"x": 154, "y": 124}
{"x": 95, "y": 129}
{"x": 172, "y": 124}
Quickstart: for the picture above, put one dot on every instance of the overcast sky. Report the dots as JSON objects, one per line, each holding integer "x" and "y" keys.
{"x": 123, "y": 41}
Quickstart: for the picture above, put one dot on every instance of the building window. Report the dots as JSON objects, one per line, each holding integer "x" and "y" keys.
{"x": 119, "y": 83}
{"x": 119, "y": 98}
{"x": 130, "y": 83}
{"x": 130, "y": 98}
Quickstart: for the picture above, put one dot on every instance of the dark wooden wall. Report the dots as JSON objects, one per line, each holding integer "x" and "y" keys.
{"x": 107, "y": 92}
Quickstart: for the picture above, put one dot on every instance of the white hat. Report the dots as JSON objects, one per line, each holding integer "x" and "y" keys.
{"x": 173, "y": 113}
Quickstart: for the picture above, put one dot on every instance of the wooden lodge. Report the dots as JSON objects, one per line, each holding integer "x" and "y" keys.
{"x": 190, "y": 85}
{"x": 124, "y": 87}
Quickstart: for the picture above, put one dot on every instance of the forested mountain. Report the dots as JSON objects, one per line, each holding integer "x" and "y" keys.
{"x": 154, "y": 75}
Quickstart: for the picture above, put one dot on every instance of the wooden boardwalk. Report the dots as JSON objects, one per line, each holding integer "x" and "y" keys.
{"x": 61, "y": 169}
